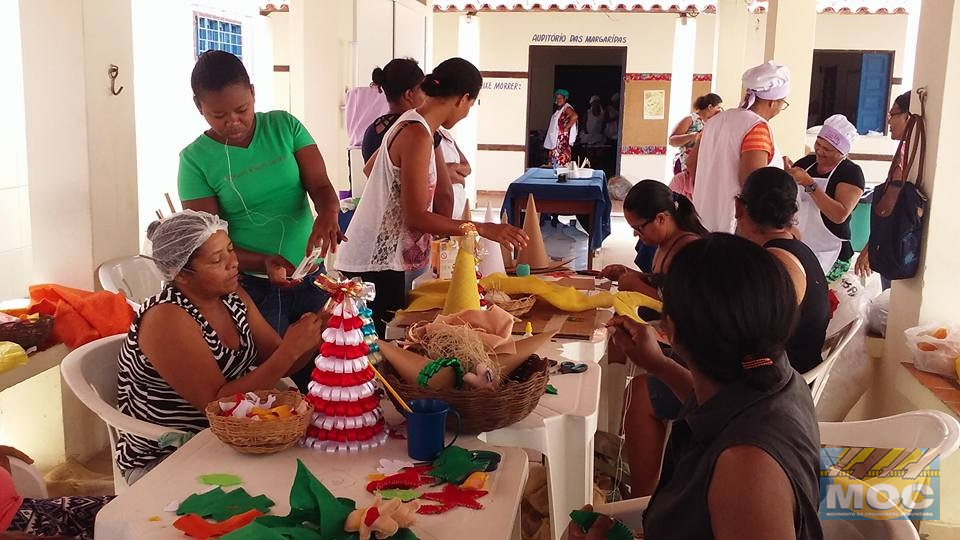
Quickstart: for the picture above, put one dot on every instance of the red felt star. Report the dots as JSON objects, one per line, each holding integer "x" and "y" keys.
{"x": 450, "y": 498}
{"x": 409, "y": 478}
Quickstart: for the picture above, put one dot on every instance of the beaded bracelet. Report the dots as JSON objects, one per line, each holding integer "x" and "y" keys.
{"x": 434, "y": 366}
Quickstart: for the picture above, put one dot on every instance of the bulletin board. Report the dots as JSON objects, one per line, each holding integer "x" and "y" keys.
{"x": 636, "y": 130}
{"x": 703, "y": 87}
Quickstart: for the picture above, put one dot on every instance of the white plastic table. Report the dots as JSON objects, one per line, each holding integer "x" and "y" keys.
{"x": 128, "y": 516}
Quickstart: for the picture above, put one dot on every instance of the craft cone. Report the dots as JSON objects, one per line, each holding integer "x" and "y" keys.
{"x": 467, "y": 215}
{"x": 463, "y": 293}
{"x": 506, "y": 251}
{"x": 535, "y": 254}
{"x": 409, "y": 364}
{"x": 492, "y": 261}
{"x": 525, "y": 347}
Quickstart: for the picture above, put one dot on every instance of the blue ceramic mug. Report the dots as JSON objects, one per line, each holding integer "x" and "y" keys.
{"x": 426, "y": 427}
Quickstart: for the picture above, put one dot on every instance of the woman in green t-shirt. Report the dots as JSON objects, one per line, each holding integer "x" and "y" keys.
{"x": 260, "y": 171}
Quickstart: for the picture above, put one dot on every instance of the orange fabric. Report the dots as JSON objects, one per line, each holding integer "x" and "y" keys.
{"x": 758, "y": 138}
{"x": 197, "y": 527}
{"x": 81, "y": 316}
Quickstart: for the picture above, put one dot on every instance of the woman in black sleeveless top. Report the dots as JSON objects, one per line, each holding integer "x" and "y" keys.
{"x": 765, "y": 210}
{"x": 742, "y": 460}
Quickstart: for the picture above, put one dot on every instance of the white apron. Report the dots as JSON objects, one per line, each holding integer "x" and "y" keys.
{"x": 814, "y": 233}
{"x": 553, "y": 129}
{"x": 718, "y": 168}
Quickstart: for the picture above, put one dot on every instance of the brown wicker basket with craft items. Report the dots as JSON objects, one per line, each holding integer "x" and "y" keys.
{"x": 517, "y": 307}
{"x": 482, "y": 409}
{"x": 27, "y": 332}
{"x": 262, "y": 436}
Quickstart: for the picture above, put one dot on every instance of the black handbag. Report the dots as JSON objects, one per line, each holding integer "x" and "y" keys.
{"x": 899, "y": 205}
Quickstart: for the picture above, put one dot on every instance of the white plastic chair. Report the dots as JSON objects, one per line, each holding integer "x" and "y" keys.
{"x": 27, "y": 480}
{"x": 91, "y": 373}
{"x": 136, "y": 277}
{"x": 914, "y": 429}
{"x": 819, "y": 375}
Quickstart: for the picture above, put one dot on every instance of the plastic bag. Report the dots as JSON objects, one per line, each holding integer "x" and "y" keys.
{"x": 852, "y": 297}
{"x": 877, "y": 310}
{"x": 935, "y": 348}
{"x": 11, "y": 356}
{"x": 618, "y": 186}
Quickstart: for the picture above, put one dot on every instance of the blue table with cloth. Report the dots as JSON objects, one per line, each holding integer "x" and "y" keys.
{"x": 568, "y": 198}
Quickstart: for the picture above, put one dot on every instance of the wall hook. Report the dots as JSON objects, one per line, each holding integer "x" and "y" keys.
{"x": 112, "y": 73}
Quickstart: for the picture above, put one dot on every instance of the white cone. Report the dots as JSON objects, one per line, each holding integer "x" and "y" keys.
{"x": 492, "y": 261}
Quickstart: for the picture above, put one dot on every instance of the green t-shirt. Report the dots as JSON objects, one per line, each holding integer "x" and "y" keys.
{"x": 258, "y": 188}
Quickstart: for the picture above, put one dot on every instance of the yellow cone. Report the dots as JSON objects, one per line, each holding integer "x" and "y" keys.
{"x": 535, "y": 254}
{"x": 463, "y": 293}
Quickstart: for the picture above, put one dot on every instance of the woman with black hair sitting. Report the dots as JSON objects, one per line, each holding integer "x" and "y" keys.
{"x": 742, "y": 460}
{"x": 765, "y": 211}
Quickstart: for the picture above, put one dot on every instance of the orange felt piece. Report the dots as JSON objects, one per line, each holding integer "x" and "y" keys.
{"x": 81, "y": 316}
{"x": 196, "y": 527}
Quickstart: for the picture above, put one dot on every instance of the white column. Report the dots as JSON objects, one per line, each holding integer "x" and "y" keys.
{"x": 81, "y": 154}
{"x": 910, "y": 45}
{"x": 729, "y": 41}
{"x": 791, "y": 26}
{"x": 320, "y": 33}
{"x": 466, "y": 130}
{"x": 681, "y": 80}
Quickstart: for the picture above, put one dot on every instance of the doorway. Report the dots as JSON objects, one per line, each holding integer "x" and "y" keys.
{"x": 855, "y": 84}
{"x": 584, "y": 72}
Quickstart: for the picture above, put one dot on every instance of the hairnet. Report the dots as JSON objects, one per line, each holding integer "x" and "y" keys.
{"x": 172, "y": 240}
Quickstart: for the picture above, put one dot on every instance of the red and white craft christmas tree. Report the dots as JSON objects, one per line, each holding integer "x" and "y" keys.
{"x": 347, "y": 416}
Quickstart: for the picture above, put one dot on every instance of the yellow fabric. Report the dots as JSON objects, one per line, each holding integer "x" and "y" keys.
{"x": 465, "y": 294}
{"x": 432, "y": 295}
{"x": 11, "y": 356}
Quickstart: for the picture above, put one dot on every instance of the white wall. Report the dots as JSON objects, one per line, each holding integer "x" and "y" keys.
{"x": 167, "y": 120}
{"x": 15, "y": 244}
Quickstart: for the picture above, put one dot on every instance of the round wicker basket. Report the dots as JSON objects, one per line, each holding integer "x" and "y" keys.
{"x": 250, "y": 436}
{"x": 483, "y": 410}
{"x": 27, "y": 332}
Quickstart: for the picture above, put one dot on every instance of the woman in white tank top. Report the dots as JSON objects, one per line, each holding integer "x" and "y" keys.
{"x": 391, "y": 230}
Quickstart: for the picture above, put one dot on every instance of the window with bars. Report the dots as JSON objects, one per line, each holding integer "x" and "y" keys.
{"x": 213, "y": 33}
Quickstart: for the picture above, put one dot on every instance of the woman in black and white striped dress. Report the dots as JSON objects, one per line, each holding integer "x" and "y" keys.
{"x": 198, "y": 339}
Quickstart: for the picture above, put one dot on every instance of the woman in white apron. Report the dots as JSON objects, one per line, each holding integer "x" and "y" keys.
{"x": 562, "y": 130}
{"x": 832, "y": 186}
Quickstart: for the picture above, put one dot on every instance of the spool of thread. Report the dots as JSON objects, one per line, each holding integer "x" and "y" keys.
{"x": 523, "y": 270}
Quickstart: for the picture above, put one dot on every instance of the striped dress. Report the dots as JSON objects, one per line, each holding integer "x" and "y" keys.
{"x": 143, "y": 394}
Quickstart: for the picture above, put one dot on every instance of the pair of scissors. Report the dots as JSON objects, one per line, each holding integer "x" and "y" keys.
{"x": 570, "y": 367}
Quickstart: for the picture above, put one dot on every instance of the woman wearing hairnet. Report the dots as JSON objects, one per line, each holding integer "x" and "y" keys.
{"x": 832, "y": 186}
{"x": 198, "y": 339}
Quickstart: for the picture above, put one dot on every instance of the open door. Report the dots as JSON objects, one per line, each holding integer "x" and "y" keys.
{"x": 874, "y": 92}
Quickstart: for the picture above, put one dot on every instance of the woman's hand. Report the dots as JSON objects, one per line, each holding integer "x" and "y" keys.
{"x": 800, "y": 176}
{"x": 326, "y": 234}
{"x": 613, "y": 272}
{"x": 304, "y": 335}
{"x": 639, "y": 342}
{"x": 862, "y": 267}
{"x": 503, "y": 234}
{"x": 279, "y": 270}
{"x": 632, "y": 280}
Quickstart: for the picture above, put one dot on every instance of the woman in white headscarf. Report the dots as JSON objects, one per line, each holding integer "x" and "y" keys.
{"x": 737, "y": 142}
{"x": 832, "y": 186}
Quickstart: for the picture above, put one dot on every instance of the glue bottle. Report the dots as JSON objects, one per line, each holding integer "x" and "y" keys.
{"x": 528, "y": 330}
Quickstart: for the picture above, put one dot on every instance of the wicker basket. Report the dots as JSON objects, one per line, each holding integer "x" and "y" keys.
{"x": 517, "y": 307}
{"x": 250, "y": 436}
{"x": 483, "y": 410}
{"x": 27, "y": 332}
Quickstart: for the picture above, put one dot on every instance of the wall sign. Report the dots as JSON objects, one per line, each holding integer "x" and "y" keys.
{"x": 502, "y": 85}
{"x": 577, "y": 38}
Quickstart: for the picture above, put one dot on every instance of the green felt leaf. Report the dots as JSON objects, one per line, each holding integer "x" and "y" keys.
{"x": 220, "y": 479}
{"x": 455, "y": 464}
{"x": 586, "y": 519}
{"x": 221, "y": 505}
{"x": 405, "y": 495}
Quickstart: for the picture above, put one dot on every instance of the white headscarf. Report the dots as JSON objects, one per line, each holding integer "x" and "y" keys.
{"x": 766, "y": 81}
{"x": 839, "y": 132}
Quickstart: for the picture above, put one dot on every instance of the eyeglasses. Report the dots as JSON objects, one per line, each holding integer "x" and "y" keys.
{"x": 891, "y": 114}
{"x": 785, "y": 105}
{"x": 643, "y": 225}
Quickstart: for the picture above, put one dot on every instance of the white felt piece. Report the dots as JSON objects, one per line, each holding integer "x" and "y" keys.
{"x": 337, "y": 310}
{"x": 393, "y": 466}
{"x": 171, "y": 506}
{"x": 337, "y": 393}
{"x": 337, "y": 365}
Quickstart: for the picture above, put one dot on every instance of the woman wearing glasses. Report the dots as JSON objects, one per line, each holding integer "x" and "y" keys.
{"x": 897, "y": 121}
{"x": 737, "y": 142}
